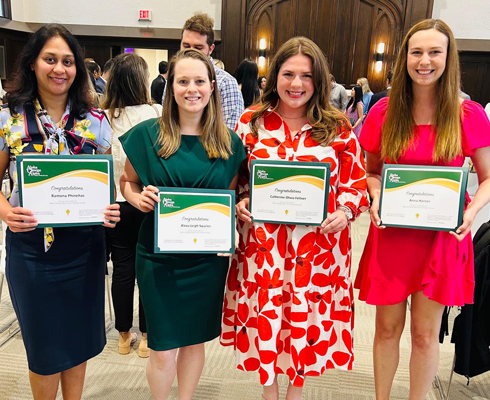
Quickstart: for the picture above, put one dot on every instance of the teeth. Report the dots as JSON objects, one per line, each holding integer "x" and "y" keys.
{"x": 424, "y": 72}
{"x": 192, "y": 98}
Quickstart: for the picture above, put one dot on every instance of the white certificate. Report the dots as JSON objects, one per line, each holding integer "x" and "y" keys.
{"x": 66, "y": 190}
{"x": 423, "y": 197}
{"x": 195, "y": 221}
{"x": 284, "y": 192}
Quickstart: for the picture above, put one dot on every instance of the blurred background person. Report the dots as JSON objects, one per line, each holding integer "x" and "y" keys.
{"x": 366, "y": 93}
{"x": 159, "y": 83}
{"x": 246, "y": 75}
{"x": 219, "y": 63}
{"x": 127, "y": 103}
{"x": 262, "y": 81}
{"x": 338, "y": 96}
{"x": 355, "y": 109}
{"x": 101, "y": 82}
{"x": 378, "y": 96}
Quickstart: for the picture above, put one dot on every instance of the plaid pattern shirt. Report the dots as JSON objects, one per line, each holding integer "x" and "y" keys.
{"x": 231, "y": 96}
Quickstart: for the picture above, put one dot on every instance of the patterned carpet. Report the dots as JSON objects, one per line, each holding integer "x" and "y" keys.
{"x": 111, "y": 376}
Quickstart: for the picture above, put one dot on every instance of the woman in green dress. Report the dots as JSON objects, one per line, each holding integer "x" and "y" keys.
{"x": 189, "y": 147}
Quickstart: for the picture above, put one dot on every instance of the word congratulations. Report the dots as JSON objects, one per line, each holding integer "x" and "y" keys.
{"x": 189, "y": 222}
{"x": 414, "y": 194}
{"x": 60, "y": 188}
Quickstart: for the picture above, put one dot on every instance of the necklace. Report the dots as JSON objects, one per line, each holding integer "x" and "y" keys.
{"x": 283, "y": 116}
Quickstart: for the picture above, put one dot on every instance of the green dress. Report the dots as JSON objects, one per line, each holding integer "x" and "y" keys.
{"x": 182, "y": 294}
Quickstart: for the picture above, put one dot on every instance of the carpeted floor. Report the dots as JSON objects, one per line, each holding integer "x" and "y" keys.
{"x": 114, "y": 377}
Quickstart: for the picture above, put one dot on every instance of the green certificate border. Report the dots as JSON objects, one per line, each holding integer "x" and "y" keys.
{"x": 102, "y": 158}
{"x": 289, "y": 164}
{"x": 205, "y": 192}
{"x": 462, "y": 195}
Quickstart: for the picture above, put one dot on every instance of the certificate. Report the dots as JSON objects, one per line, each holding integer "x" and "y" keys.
{"x": 423, "y": 197}
{"x": 284, "y": 192}
{"x": 66, "y": 190}
{"x": 195, "y": 221}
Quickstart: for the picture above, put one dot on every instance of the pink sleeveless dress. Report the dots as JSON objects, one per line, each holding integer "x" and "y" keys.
{"x": 397, "y": 262}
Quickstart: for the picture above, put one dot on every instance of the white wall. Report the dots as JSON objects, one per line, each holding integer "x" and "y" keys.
{"x": 18, "y": 10}
{"x": 166, "y": 13}
{"x": 152, "y": 58}
{"x": 467, "y": 19}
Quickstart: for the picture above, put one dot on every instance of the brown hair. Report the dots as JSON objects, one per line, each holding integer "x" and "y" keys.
{"x": 127, "y": 84}
{"x": 324, "y": 119}
{"x": 203, "y": 24}
{"x": 398, "y": 128}
{"x": 215, "y": 136}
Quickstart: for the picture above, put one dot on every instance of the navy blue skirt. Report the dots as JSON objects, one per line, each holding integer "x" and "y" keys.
{"x": 58, "y": 295}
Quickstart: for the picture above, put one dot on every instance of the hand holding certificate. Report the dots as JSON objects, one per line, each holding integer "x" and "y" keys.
{"x": 423, "y": 197}
{"x": 284, "y": 192}
{"x": 66, "y": 190}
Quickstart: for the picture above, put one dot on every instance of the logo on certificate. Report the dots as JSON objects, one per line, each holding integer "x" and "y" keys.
{"x": 168, "y": 203}
{"x": 33, "y": 170}
{"x": 395, "y": 178}
{"x": 261, "y": 174}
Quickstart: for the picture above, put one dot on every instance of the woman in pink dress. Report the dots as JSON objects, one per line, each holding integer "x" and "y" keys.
{"x": 289, "y": 303}
{"x": 423, "y": 122}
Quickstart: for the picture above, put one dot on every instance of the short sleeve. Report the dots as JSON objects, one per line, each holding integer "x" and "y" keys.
{"x": 475, "y": 127}
{"x": 370, "y": 137}
{"x": 4, "y": 117}
{"x": 104, "y": 139}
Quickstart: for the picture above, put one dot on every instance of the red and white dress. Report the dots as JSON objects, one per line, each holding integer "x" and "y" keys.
{"x": 288, "y": 306}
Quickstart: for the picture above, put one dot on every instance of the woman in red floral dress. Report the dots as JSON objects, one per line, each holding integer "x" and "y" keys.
{"x": 288, "y": 305}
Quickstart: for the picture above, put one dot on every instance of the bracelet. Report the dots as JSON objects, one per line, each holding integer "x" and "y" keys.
{"x": 347, "y": 211}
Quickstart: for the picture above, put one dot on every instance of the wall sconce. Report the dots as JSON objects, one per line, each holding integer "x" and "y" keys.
{"x": 262, "y": 47}
{"x": 379, "y": 57}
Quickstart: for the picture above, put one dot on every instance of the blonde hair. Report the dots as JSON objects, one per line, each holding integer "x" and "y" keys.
{"x": 398, "y": 128}
{"x": 323, "y": 117}
{"x": 364, "y": 85}
{"x": 215, "y": 136}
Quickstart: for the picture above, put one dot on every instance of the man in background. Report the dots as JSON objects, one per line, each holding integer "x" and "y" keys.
{"x": 101, "y": 83}
{"x": 338, "y": 95}
{"x": 159, "y": 83}
{"x": 378, "y": 96}
{"x": 198, "y": 34}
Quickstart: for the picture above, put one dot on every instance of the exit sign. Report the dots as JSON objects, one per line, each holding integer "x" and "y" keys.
{"x": 145, "y": 15}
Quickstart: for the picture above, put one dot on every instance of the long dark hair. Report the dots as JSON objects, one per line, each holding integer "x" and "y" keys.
{"x": 23, "y": 85}
{"x": 246, "y": 75}
{"x": 356, "y": 99}
{"x": 127, "y": 84}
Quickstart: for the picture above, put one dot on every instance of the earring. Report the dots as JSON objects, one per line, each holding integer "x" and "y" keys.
{"x": 274, "y": 90}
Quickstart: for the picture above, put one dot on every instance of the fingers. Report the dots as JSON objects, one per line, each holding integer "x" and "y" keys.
{"x": 20, "y": 219}
{"x": 242, "y": 211}
{"x": 374, "y": 214}
{"x": 465, "y": 227}
{"x": 224, "y": 254}
{"x": 112, "y": 215}
{"x": 334, "y": 222}
{"x": 148, "y": 198}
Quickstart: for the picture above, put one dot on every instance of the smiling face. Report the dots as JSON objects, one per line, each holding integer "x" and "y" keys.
{"x": 194, "y": 40}
{"x": 426, "y": 58}
{"x": 54, "y": 68}
{"x": 295, "y": 86}
{"x": 191, "y": 86}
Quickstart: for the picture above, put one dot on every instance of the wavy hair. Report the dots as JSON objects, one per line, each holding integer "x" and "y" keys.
{"x": 398, "y": 129}
{"x": 215, "y": 136}
{"x": 323, "y": 117}
{"x": 23, "y": 85}
{"x": 127, "y": 84}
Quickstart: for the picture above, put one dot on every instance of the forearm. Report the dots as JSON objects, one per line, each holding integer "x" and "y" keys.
{"x": 131, "y": 192}
{"x": 5, "y": 207}
{"x": 374, "y": 185}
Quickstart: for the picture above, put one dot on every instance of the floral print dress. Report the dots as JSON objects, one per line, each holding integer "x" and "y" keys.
{"x": 288, "y": 306}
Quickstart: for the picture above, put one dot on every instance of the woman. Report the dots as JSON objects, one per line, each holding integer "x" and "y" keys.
{"x": 127, "y": 104}
{"x": 355, "y": 109}
{"x": 262, "y": 82}
{"x": 423, "y": 122}
{"x": 289, "y": 293}
{"x": 246, "y": 76}
{"x": 366, "y": 93}
{"x": 190, "y": 147}
{"x": 55, "y": 276}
